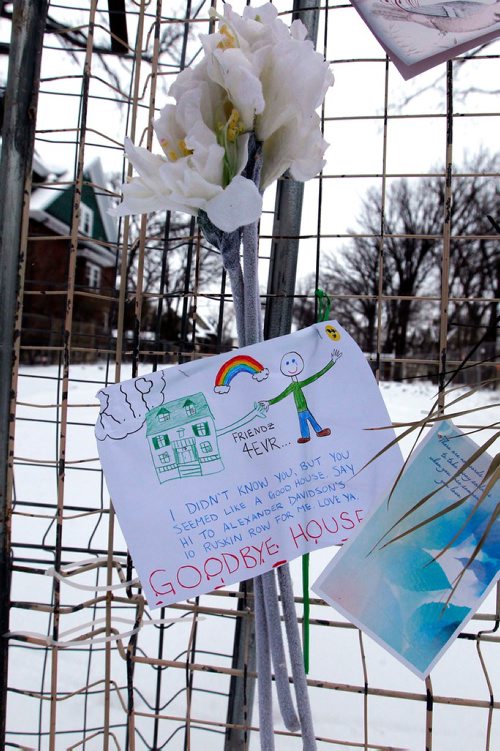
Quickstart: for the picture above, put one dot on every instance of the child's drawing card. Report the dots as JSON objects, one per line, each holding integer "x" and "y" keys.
{"x": 419, "y": 34}
{"x": 396, "y": 587}
{"x": 225, "y": 467}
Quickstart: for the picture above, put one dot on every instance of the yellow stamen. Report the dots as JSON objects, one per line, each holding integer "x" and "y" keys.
{"x": 228, "y": 40}
{"x": 164, "y": 144}
{"x": 172, "y": 155}
{"x": 234, "y": 126}
{"x": 183, "y": 148}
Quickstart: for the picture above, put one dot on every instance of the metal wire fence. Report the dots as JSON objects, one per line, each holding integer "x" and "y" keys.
{"x": 89, "y": 666}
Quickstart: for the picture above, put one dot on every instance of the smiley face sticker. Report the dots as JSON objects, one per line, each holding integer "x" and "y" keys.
{"x": 332, "y": 333}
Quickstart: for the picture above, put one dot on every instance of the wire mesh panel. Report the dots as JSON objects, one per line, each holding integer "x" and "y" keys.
{"x": 400, "y": 229}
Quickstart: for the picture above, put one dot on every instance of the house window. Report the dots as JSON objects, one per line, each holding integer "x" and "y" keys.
{"x": 190, "y": 408}
{"x": 160, "y": 441}
{"x": 201, "y": 428}
{"x": 93, "y": 275}
{"x": 206, "y": 447}
{"x": 86, "y": 220}
{"x": 163, "y": 416}
{"x": 164, "y": 458}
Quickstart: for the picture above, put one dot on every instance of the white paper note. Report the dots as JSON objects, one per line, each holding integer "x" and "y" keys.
{"x": 228, "y": 466}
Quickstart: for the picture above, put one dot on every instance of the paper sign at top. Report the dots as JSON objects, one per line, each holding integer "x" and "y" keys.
{"x": 419, "y": 34}
{"x": 225, "y": 467}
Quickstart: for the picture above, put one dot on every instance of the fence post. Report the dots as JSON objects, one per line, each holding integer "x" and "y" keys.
{"x": 28, "y": 24}
{"x": 287, "y": 218}
{"x": 278, "y": 321}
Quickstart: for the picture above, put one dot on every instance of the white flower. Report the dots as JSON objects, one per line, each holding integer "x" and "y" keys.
{"x": 257, "y": 76}
{"x": 196, "y": 173}
{"x": 257, "y": 55}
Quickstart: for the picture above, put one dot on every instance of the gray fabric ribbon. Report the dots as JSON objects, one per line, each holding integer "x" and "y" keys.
{"x": 269, "y": 634}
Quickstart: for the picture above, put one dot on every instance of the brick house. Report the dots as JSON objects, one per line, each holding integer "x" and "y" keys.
{"x": 46, "y": 282}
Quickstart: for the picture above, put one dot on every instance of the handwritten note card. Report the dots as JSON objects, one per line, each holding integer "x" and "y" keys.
{"x": 419, "y": 34}
{"x": 394, "y": 587}
{"x": 223, "y": 468}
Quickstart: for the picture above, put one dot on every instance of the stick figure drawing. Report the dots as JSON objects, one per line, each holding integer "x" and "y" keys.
{"x": 292, "y": 366}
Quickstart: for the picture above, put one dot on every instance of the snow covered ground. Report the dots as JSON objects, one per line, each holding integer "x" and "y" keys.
{"x": 335, "y": 651}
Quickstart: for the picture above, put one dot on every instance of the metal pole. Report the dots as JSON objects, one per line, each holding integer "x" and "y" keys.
{"x": 287, "y": 218}
{"x": 28, "y": 24}
{"x": 278, "y": 321}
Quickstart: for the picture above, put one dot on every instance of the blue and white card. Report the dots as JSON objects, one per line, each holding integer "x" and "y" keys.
{"x": 397, "y": 587}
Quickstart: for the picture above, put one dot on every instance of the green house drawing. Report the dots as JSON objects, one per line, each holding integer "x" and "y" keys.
{"x": 182, "y": 439}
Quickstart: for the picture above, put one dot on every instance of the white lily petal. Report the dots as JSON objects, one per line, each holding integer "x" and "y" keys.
{"x": 137, "y": 203}
{"x": 194, "y": 184}
{"x": 208, "y": 160}
{"x": 309, "y": 161}
{"x": 242, "y": 152}
{"x": 139, "y": 199}
{"x": 297, "y": 146}
{"x": 295, "y": 80}
{"x": 238, "y": 204}
{"x": 145, "y": 163}
{"x": 167, "y": 128}
{"x": 298, "y": 30}
{"x": 265, "y": 13}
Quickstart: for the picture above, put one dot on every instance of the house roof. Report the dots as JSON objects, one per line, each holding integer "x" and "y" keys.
{"x": 178, "y": 415}
{"x": 47, "y": 197}
{"x": 204, "y": 329}
{"x": 40, "y": 168}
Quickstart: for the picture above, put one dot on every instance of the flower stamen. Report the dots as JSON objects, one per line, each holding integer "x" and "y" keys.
{"x": 228, "y": 40}
{"x": 183, "y": 148}
{"x": 227, "y": 136}
{"x": 234, "y": 126}
{"x": 172, "y": 153}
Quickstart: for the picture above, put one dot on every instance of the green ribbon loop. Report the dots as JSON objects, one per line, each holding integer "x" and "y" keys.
{"x": 324, "y": 308}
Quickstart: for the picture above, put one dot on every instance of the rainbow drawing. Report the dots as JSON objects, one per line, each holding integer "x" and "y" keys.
{"x": 234, "y": 366}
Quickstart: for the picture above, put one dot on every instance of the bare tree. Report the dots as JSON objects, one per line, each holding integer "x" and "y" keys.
{"x": 409, "y": 253}
{"x": 170, "y": 267}
{"x": 113, "y": 43}
{"x": 463, "y": 89}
